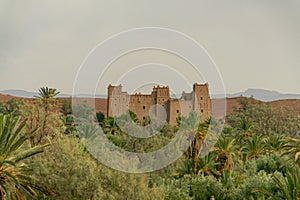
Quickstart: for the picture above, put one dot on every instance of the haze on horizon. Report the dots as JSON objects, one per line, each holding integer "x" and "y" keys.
{"x": 255, "y": 44}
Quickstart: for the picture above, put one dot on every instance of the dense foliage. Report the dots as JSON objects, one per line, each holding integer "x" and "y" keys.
{"x": 256, "y": 157}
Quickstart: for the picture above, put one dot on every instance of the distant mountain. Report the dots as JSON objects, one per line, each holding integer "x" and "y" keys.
{"x": 19, "y": 93}
{"x": 264, "y": 95}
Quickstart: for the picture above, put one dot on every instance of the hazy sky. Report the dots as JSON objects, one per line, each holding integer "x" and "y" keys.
{"x": 254, "y": 43}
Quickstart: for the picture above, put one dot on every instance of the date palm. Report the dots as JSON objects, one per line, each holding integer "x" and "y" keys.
{"x": 46, "y": 95}
{"x": 254, "y": 146}
{"x": 293, "y": 148}
{"x": 191, "y": 126}
{"x": 226, "y": 150}
{"x": 15, "y": 179}
{"x": 208, "y": 165}
{"x": 275, "y": 143}
{"x": 245, "y": 126}
{"x": 186, "y": 168}
{"x": 289, "y": 185}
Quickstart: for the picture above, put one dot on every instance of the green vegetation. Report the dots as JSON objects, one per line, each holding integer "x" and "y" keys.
{"x": 42, "y": 156}
{"x": 15, "y": 180}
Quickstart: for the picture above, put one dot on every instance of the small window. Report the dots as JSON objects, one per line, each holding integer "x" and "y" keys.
{"x": 202, "y": 110}
{"x": 177, "y": 111}
{"x": 163, "y": 99}
{"x": 144, "y": 107}
{"x": 201, "y": 98}
{"x": 144, "y": 117}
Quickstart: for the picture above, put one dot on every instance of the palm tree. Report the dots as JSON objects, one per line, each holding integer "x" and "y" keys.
{"x": 245, "y": 129}
{"x": 254, "y": 146}
{"x": 288, "y": 185}
{"x": 293, "y": 148}
{"x": 226, "y": 150}
{"x": 191, "y": 126}
{"x": 15, "y": 180}
{"x": 275, "y": 143}
{"x": 208, "y": 165}
{"x": 46, "y": 95}
{"x": 186, "y": 168}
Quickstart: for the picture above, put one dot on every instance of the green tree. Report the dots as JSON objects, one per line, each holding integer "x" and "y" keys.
{"x": 2, "y": 108}
{"x": 110, "y": 126}
{"x": 66, "y": 107}
{"x": 100, "y": 117}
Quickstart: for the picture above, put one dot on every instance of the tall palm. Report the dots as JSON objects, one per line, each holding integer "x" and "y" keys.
{"x": 46, "y": 95}
{"x": 191, "y": 126}
{"x": 15, "y": 180}
{"x": 226, "y": 150}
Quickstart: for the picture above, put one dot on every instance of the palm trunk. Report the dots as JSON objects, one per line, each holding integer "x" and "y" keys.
{"x": 194, "y": 156}
{"x": 196, "y": 147}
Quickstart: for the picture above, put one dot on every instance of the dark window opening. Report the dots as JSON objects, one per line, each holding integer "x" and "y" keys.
{"x": 144, "y": 107}
{"x": 202, "y": 110}
{"x": 201, "y": 98}
{"x": 177, "y": 111}
{"x": 144, "y": 117}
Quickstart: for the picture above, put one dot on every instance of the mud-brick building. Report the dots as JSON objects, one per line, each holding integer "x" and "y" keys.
{"x": 119, "y": 102}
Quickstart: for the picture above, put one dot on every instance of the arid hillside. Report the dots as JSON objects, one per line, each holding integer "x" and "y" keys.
{"x": 5, "y": 98}
{"x": 291, "y": 103}
{"x": 101, "y": 103}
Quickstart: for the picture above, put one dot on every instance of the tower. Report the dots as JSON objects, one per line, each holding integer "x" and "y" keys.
{"x": 160, "y": 95}
{"x": 116, "y": 100}
{"x": 201, "y": 100}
